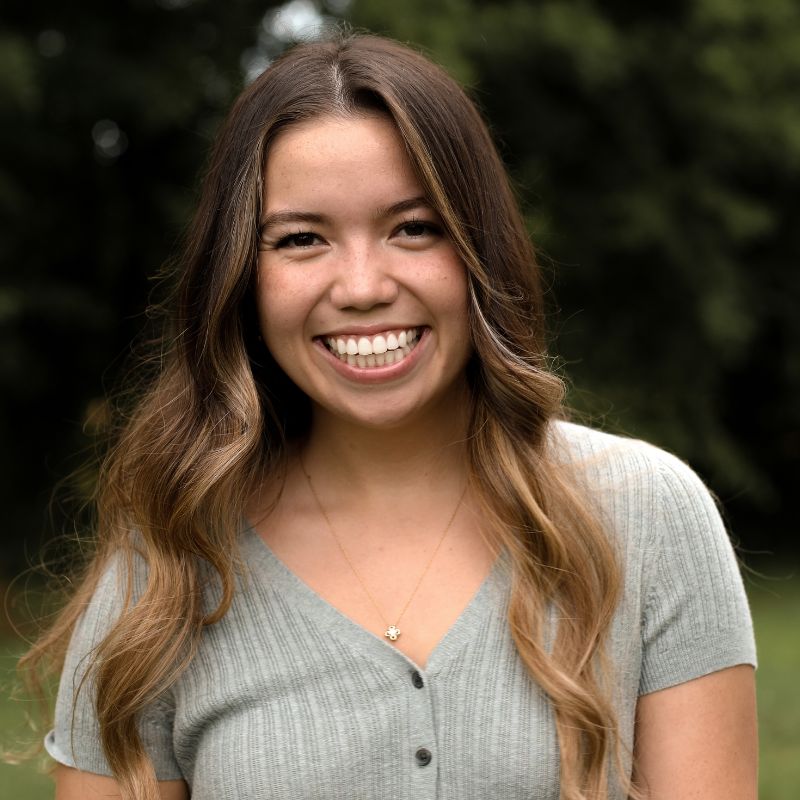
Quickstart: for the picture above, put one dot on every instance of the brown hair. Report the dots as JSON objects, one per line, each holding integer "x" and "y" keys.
{"x": 219, "y": 412}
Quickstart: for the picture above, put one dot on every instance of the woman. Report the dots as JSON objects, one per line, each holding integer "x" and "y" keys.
{"x": 346, "y": 547}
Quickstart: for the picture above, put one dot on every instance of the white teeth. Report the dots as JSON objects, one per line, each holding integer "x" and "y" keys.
{"x": 379, "y": 345}
{"x": 378, "y": 351}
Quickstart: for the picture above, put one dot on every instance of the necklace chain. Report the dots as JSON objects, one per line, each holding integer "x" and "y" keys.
{"x": 392, "y": 631}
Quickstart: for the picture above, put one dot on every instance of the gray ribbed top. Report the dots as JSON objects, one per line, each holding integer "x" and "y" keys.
{"x": 289, "y": 699}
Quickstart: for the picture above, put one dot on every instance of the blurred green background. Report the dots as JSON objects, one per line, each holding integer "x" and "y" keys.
{"x": 655, "y": 148}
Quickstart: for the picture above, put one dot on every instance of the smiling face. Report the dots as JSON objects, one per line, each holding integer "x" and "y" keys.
{"x": 361, "y": 295}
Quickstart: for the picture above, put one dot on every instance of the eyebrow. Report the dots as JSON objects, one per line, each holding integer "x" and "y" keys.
{"x": 403, "y": 205}
{"x": 287, "y": 216}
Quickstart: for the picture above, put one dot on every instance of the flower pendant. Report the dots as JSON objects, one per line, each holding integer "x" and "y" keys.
{"x": 392, "y": 632}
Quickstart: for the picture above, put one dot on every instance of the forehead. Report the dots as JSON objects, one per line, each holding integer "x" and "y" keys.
{"x": 322, "y": 128}
{"x": 362, "y": 153}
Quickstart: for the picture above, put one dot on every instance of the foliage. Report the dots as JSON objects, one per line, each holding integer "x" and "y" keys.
{"x": 106, "y": 113}
{"x": 656, "y": 151}
{"x": 655, "y": 147}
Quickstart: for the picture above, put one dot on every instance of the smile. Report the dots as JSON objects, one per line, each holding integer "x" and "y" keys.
{"x": 388, "y": 347}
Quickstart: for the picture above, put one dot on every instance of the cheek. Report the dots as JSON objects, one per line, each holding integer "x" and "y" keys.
{"x": 278, "y": 331}
{"x": 453, "y": 288}
{"x": 457, "y": 284}
{"x": 279, "y": 305}
{"x": 286, "y": 303}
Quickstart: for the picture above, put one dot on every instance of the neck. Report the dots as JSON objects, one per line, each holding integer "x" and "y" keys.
{"x": 375, "y": 463}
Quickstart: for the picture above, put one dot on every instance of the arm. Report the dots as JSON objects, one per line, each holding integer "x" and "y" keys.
{"x": 72, "y": 784}
{"x": 699, "y": 739}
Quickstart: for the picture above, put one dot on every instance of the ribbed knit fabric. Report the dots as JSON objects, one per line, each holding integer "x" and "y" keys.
{"x": 289, "y": 699}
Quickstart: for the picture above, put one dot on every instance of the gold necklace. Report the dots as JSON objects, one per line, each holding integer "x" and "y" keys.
{"x": 392, "y": 632}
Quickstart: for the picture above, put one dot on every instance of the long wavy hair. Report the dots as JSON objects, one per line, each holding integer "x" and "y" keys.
{"x": 218, "y": 413}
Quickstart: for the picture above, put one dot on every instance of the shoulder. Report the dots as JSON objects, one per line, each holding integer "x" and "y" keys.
{"x": 650, "y": 502}
{"x": 610, "y": 464}
{"x": 580, "y": 444}
{"x": 684, "y": 598}
{"x": 116, "y": 578}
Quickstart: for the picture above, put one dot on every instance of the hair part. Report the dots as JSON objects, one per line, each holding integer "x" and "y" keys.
{"x": 220, "y": 413}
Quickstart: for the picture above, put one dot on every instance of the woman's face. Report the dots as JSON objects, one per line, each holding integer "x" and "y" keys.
{"x": 362, "y": 297}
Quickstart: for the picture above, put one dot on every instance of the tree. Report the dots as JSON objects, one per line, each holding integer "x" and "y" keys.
{"x": 656, "y": 152}
{"x": 106, "y": 114}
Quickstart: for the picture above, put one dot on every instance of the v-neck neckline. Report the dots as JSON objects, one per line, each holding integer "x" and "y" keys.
{"x": 317, "y": 608}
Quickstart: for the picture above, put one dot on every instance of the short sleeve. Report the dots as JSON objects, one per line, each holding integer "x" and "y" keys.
{"x": 75, "y": 738}
{"x": 696, "y": 618}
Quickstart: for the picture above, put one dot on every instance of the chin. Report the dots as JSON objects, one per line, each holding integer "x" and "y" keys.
{"x": 388, "y": 416}
{"x": 380, "y": 420}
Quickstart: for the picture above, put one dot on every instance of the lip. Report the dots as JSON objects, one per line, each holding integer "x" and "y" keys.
{"x": 367, "y": 330}
{"x": 373, "y": 375}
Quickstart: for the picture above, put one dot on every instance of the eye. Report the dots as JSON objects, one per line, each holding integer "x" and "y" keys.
{"x": 301, "y": 239}
{"x": 417, "y": 229}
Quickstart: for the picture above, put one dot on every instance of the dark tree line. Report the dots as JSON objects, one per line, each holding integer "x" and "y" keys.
{"x": 655, "y": 148}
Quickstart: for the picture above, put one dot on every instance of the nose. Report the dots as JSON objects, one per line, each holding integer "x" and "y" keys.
{"x": 363, "y": 279}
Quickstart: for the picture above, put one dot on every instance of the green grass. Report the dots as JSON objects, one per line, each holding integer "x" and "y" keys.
{"x": 25, "y": 782}
{"x": 776, "y": 611}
